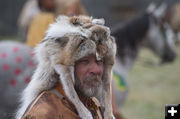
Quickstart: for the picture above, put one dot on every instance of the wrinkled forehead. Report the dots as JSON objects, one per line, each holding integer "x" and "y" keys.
{"x": 88, "y": 57}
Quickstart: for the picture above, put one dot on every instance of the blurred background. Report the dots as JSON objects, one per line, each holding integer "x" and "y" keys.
{"x": 112, "y": 10}
{"x": 151, "y": 85}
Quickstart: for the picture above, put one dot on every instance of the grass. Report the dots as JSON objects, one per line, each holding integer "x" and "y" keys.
{"x": 151, "y": 87}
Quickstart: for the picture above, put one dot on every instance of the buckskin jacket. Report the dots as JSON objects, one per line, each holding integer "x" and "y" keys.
{"x": 53, "y": 104}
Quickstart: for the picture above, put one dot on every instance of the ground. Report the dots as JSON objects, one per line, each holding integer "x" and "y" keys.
{"x": 152, "y": 87}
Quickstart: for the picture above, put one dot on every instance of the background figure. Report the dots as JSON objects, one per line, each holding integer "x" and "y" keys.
{"x": 29, "y": 10}
{"x": 70, "y": 7}
{"x": 49, "y": 10}
{"x": 41, "y": 22}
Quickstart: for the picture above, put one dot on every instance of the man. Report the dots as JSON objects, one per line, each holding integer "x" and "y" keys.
{"x": 88, "y": 74}
{"x": 73, "y": 77}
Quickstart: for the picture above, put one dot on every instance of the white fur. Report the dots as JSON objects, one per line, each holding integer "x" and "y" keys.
{"x": 62, "y": 26}
{"x": 69, "y": 90}
{"x": 72, "y": 74}
{"x": 33, "y": 89}
{"x": 97, "y": 57}
{"x": 36, "y": 85}
{"x": 98, "y": 21}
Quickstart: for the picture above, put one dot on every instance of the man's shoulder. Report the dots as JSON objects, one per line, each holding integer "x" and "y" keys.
{"x": 49, "y": 105}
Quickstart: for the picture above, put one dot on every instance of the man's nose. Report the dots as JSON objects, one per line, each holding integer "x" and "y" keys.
{"x": 95, "y": 68}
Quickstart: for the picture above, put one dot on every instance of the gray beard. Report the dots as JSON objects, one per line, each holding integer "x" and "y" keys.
{"x": 89, "y": 91}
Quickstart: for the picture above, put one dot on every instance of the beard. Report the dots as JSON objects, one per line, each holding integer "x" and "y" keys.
{"x": 90, "y": 87}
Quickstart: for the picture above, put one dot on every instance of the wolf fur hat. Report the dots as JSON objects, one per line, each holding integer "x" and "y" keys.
{"x": 66, "y": 41}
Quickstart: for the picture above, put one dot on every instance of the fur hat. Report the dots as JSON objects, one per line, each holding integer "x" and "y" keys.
{"x": 82, "y": 34}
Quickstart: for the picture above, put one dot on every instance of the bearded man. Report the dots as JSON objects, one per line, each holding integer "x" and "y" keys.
{"x": 73, "y": 77}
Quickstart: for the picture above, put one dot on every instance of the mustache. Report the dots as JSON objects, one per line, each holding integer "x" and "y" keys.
{"x": 93, "y": 78}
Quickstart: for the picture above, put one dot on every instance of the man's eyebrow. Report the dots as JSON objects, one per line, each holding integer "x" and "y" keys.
{"x": 84, "y": 57}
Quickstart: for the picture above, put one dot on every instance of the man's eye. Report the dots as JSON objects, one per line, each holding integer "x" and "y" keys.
{"x": 99, "y": 62}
